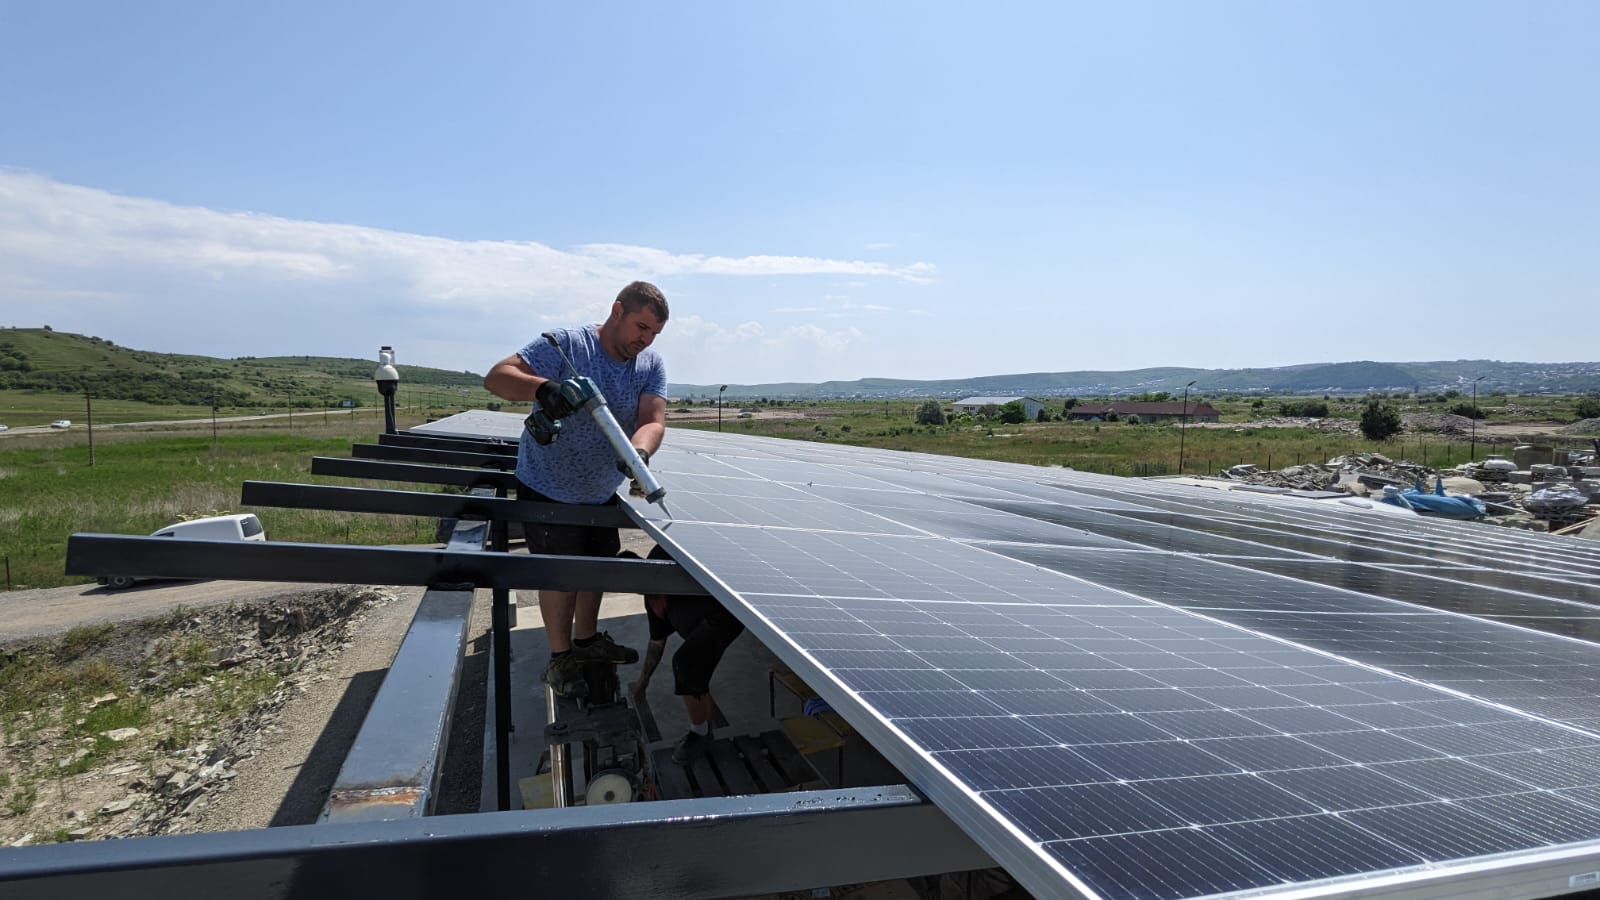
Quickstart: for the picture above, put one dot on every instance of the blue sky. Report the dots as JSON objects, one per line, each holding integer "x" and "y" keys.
{"x": 824, "y": 190}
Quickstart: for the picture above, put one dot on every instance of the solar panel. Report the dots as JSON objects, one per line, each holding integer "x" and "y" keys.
{"x": 1125, "y": 689}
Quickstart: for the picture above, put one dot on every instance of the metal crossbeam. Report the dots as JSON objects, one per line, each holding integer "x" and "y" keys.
{"x": 421, "y": 503}
{"x": 467, "y": 445}
{"x": 341, "y": 467}
{"x": 713, "y": 847}
{"x": 442, "y": 457}
{"x": 96, "y": 554}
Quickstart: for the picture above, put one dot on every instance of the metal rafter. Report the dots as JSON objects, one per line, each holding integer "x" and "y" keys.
{"x": 95, "y": 554}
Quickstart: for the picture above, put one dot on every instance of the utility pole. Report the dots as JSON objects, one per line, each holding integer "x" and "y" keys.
{"x": 213, "y": 415}
{"x": 1183, "y": 425}
{"x": 1474, "y": 458}
{"x": 88, "y": 409}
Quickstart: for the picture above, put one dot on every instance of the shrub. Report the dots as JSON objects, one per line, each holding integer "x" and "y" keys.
{"x": 1588, "y": 408}
{"x": 1013, "y": 413}
{"x": 1466, "y": 409}
{"x": 1379, "y": 421}
{"x": 930, "y": 413}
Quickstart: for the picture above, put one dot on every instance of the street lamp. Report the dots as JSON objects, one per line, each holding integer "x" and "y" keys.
{"x": 1183, "y": 425}
{"x": 1474, "y": 456}
{"x": 388, "y": 379}
{"x": 719, "y": 406}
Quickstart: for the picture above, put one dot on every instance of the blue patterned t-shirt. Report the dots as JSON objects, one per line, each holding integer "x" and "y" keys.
{"x": 579, "y": 466}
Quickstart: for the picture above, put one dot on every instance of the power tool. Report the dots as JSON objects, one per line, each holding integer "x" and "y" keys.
{"x": 580, "y": 392}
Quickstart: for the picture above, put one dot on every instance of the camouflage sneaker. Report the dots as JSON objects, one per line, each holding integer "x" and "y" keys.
{"x": 604, "y": 649}
{"x": 564, "y": 675}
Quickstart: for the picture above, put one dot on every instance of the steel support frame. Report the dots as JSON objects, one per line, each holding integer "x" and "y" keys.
{"x": 467, "y": 445}
{"x": 430, "y": 505}
{"x": 393, "y": 768}
{"x": 442, "y": 457}
{"x": 712, "y": 847}
{"x": 97, "y": 554}
{"x": 415, "y": 473}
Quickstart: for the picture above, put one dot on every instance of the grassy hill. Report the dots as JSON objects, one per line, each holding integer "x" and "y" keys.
{"x": 1346, "y": 378}
{"x": 37, "y": 362}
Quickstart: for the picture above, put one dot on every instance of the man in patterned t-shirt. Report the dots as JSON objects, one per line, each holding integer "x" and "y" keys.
{"x": 580, "y": 466}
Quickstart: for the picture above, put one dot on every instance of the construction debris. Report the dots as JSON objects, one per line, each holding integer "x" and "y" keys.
{"x": 1544, "y": 489}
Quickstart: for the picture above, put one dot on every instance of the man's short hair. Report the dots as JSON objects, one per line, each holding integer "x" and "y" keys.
{"x": 642, "y": 294}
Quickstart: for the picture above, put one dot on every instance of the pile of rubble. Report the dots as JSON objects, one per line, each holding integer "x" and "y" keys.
{"x": 1342, "y": 473}
{"x": 1542, "y": 489}
{"x": 1343, "y": 426}
{"x": 1583, "y": 426}
{"x": 1412, "y": 423}
{"x": 1436, "y": 423}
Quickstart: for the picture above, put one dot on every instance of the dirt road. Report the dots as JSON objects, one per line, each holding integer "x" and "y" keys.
{"x": 46, "y": 611}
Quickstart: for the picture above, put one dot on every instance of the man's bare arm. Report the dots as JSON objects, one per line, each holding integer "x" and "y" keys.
{"x": 652, "y": 423}
{"x": 652, "y": 658}
{"x": 512, "y": 379}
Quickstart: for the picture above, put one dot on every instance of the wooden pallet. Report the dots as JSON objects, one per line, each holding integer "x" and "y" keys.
{"x": 767, "y": 763}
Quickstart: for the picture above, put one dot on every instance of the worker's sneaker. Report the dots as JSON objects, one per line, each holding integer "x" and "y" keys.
{"x": 564, "y": 675}
{"x": 604, "y": 649}
{"x": 690, "y": 747}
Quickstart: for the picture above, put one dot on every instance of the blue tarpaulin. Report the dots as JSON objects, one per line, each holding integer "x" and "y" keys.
{"x": 1436, "y": 503}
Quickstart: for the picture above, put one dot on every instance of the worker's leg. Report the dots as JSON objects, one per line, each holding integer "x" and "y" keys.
{"x": 698, "y": 707}
{"x": 557, "y": 608}
{"x": 585, "y": 618}
{"x": 696, "y": 661}
{"x": 589, "y": 642}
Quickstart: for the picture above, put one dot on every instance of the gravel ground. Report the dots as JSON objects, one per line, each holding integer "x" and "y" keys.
{"x": 298, "y": 758}
{"x": 297, "y": 755}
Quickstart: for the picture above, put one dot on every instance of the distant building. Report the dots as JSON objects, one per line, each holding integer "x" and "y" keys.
{"x": 973, "y": 405}
{"x": 1165, "y": 411}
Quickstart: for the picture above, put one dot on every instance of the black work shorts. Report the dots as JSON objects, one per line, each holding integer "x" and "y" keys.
{"x": 707, "y": 630}
{"x": 567, "y": 540}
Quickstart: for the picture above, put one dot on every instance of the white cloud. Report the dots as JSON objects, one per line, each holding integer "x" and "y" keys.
{"x": 828, "y": 342}
{"x": 661, "y": 262}
{"x": 156, "y": 275}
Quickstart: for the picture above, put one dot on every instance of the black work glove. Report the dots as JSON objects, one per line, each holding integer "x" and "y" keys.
{"x": 551, "y": 401}
{"x": 644, "y": 457}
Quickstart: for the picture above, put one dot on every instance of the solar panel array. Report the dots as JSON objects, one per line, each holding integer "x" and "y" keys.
{"x": 1137, "y": 689}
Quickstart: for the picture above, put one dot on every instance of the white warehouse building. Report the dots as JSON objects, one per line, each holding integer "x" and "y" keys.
{"x": 972, "y": 405}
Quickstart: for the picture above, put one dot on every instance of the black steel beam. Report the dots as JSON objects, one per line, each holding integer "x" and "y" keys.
{"x": 422, "y": 503}
{"x": 466, "y": 445}
{"x": 97, "y": 554}
{"x": 440, "y": 457}
{"x": 392, "y": 770}
{"x": 715, "y": 847}
{"x": 410, "y": 472}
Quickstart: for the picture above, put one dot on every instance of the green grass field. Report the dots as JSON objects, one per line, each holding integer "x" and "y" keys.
{"x": 141, "y": 481}
{"x": 1108, "y": 448}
